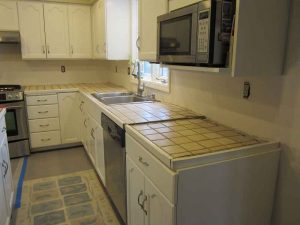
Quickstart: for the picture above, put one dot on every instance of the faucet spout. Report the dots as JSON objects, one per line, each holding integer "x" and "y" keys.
{"x": 140, "y": 85}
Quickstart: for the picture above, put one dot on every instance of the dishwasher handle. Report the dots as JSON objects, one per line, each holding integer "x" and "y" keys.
{"x": 113, "y": 130}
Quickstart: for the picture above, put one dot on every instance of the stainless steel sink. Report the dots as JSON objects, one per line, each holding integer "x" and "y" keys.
{"x": 119, "y": 98}
{"x": 111, "y": 94}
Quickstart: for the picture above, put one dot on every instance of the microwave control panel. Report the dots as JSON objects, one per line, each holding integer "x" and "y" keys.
{"x": 203, "y": 32}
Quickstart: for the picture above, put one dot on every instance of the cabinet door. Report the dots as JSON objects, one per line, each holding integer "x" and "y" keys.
{"x": 92, "y": 126}
{"x": 8, "y": 16}
{"x": 57, "y": 30}
{"x": 80, "y": 31}
{"x": 85, "y": 132}
{"x": 99, "y": 31}
{"x": 148, "y": 13}
{"x": 80, "y": 109}
{"x": 7, "y": 175}
{"x": 31, "y": 21}
{"x": 135, "y": 194}
{"x": 100, "y": 163}
{"x": 68, "y": 113}
{"x": 159, "y": 209}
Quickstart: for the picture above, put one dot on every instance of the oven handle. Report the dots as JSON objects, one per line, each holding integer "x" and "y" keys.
{"x": 14, "y": 107}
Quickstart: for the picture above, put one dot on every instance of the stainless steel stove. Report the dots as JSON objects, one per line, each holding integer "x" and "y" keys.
{"x": 12, "y": 98}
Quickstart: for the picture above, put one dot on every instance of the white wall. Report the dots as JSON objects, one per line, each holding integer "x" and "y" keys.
{"x": 273, "y": 112}
{"x": 14, "y": 70}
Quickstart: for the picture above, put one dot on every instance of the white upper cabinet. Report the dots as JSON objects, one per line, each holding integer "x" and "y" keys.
{"x": 31, "y": 20}
{"x": 111, "y": 29}
{"x": 57, "y": 30}
{"x": 99, "y": 30}
{"x": 8, "y": 16}
{"x": 260, "y": 37}
{"x": 148, "y": 13}
{"x": 176, "y": 4}
{"x": 80, "y": 31}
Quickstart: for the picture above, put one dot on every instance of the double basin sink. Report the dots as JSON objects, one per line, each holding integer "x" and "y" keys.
{"x": 120, "y": 97}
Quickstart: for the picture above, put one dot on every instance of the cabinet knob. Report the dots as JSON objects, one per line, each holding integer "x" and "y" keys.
{"x": 43, "y": 49}
{"x": 48, "y": 49}
{"x": 72, "y": 50}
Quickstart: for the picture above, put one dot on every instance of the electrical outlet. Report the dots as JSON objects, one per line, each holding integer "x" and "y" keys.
{"x": 128, "y": 70}
{"x": 63, "y": 69}
{"x": 247, "y": 90}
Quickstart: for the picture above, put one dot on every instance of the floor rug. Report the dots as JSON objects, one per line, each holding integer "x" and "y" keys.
{"x": 71, "y": 199}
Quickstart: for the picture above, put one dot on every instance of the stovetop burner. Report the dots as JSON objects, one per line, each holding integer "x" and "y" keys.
{"x": 5, "y": 88}
{"x": 11, "y": 93}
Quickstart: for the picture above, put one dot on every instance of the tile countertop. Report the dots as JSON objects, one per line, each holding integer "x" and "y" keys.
{"x": 176, "y": 143}
{"x": 83, "y": 87}
{"x": 150, "y": 112}
{"x": 129, "y": 113}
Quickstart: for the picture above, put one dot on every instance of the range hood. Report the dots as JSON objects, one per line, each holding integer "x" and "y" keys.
{"x": 9, "y": 37}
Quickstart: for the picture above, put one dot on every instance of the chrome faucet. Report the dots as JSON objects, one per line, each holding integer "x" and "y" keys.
{"x": 140, "y": 84}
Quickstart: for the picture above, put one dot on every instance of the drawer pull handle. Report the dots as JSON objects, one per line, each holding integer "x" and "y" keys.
{"x": 46, "y": 139}
{"x": 43, "y": 112}
{"x": 45, "y": 125}
{"x": 142, "y": 161}
{"x": 42, "y": 100}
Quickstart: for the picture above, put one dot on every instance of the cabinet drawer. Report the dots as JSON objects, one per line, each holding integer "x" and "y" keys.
{"x": 42, "y": 111}
{"x": 41, "y": 125}
{"x": 44, "y": 139}
{"x": 41, "y": 100}
{"x": 160, "y": 175}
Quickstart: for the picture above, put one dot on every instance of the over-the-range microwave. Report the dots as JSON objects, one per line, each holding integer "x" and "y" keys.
{"x": 196, "y": 35}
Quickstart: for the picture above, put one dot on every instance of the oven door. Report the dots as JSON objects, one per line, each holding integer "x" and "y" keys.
{"x": 16, "y": 122}
{"x": 177, "y": 36}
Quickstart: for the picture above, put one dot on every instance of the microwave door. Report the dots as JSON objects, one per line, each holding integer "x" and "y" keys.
{"x": 177, "y": 36}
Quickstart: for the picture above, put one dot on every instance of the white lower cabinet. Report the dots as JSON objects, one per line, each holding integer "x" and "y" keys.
{"x": 135, "y": 192}
{"x": 145, "y": 203}
{"x": 92, "y": 139}
{"x": 68, "y": 113}
{"x": 226, "y": 190}
{"x": 45, "y": 139}
{"x": 6, "y": 185}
